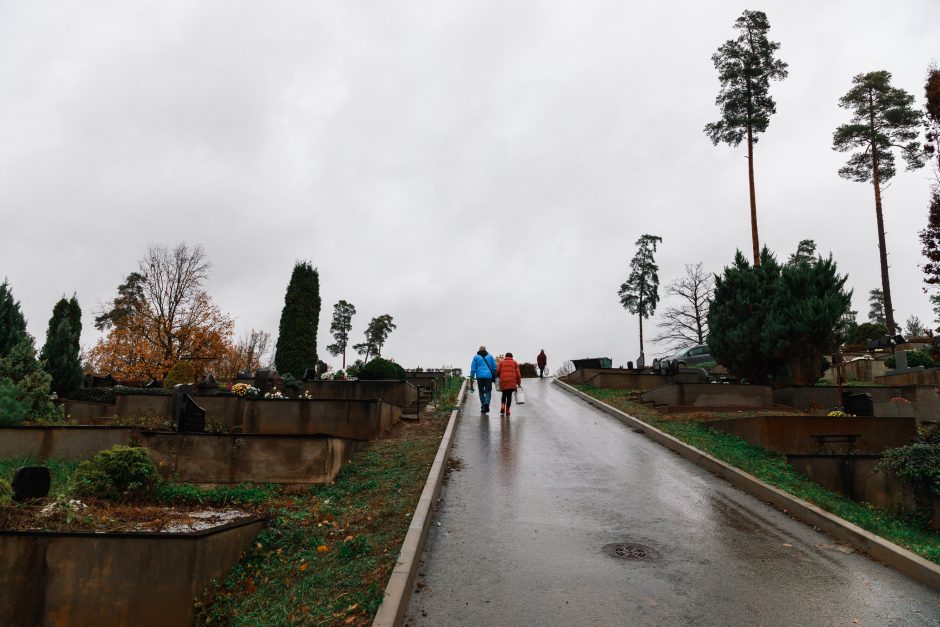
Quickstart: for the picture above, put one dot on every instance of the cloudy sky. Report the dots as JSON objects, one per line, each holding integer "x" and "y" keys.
{"x": 478, "y": 169}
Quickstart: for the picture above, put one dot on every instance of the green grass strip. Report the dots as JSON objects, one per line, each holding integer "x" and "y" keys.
{"x": 773, "y": 469}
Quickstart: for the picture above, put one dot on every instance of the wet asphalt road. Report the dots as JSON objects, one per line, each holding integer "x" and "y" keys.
{"x": 523, "y": 524}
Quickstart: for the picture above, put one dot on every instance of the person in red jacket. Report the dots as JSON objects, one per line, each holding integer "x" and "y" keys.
{"x": 542, "y": 361}
{"x": 510, "y": 378}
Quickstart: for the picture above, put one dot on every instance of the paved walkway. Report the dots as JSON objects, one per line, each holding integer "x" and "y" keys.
{"x": 523, "y": 524}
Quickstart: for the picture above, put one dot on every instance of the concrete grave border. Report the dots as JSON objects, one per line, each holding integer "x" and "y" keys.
{"x": 879, "y": 549}
{"x": 398, "y": 591}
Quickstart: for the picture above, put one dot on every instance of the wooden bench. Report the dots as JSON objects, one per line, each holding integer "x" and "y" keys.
{"x": 825, "y": 439}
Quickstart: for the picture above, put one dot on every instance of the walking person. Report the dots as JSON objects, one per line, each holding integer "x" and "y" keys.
{"x": 483, "y": 369}
{"x": 542, "y": 361}
{"x": 510, "y": 378}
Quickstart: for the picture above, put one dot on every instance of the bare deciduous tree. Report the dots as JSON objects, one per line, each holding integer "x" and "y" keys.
{"x": 686, "y": 323}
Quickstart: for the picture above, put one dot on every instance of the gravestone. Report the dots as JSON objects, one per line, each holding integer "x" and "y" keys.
{"x": 310, "y": 374}
{"x": 858, "y": 404}
{"x": 900, "y": 361}
{"x": 152, "y": 385}
{"x": 30, "y": 482}
{"x": 209, "y": 384}
{"x": 187, "y": 415}
{"x": 245, "y": 375}
{"x": 266, "y": 380}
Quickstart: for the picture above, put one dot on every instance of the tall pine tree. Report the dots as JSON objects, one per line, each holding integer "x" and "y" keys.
{"x": 746, "y": 65}
{"x": 883, "y": 118}
{"x": 297, "y": 334}
{"x": 62, "y": 348}
{"x": 340, "y": 328}
{"x": 639, "y": 294}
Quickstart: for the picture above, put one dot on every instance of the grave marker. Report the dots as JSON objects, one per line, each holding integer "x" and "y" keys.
{"x": 30, "y": 482}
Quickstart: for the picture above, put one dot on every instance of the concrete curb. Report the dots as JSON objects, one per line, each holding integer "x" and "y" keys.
{"x": 888, "y": 553}
{"x": 398, "y": 591}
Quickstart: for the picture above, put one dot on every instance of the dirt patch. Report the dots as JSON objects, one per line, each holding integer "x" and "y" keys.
{"x": 76, "y": 514}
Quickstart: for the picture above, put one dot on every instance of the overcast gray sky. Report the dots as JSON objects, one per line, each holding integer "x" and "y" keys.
{"x": 478, "y": 169}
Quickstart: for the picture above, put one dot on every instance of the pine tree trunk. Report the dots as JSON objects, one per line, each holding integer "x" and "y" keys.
{"x": 879, "y": 216}
{"x": 641, "y": 340}
{"x": 344, "y": 358}
{"x": 753, "y": 196}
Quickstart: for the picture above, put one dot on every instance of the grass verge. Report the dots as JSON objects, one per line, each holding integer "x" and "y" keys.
{"x": 327, "y": 552}
{"x": 774, "y": 469}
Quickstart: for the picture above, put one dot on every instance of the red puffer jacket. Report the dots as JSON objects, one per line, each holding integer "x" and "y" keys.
{"x": 509, "y": 376}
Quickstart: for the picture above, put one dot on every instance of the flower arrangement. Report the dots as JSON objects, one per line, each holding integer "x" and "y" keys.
{"x": 839, "y": 414}
{"x": 245, "y": 390}
{"x": 276, "y": 394}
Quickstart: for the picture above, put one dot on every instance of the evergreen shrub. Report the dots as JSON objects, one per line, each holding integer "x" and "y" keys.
{"x": 120, "y": 473}
{"x": 381, "y": 368}
{"x": 182, "y": 371}
{"x": 13, "y": 409}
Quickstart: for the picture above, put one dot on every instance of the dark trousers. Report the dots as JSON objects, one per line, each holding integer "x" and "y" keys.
{"x": 485, "y": 388}
{"x": 507, "y": 398}
{"x": 541, "y": 371}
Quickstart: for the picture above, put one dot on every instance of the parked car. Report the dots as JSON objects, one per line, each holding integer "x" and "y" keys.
{"x": 691, "y": 356}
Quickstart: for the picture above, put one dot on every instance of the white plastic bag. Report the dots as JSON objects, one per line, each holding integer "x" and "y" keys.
{"x": 520, "y": 396}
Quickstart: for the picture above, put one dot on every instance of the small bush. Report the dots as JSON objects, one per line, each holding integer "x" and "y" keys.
{"x": 528, "y": 371}
{"x": 182, "y": 371}
{"x": 919, "y": 465}
{"x": 354, "y": 547}
{"x": 6, "y": 493}
{"x": 13, "y": 409}
{"x": 95, "y": 395}
{"x": 380, "y": 368}
{"x": 119, "y": 474}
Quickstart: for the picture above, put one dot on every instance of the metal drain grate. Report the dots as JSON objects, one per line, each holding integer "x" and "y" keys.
{"x": 630, "y": 551}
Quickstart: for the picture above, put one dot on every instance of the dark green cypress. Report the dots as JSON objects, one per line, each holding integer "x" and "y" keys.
{"x": 12, "y": 322}
{"x": 297, "y": 333}
{"x": 62, "y": 348}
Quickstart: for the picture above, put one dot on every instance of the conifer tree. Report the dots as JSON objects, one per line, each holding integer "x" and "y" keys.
{"x": 297, "y": 334}
{"x": 639, "y": 294}
{"x": 376, "y": 333}
{"x": 12, "y": 322}
{"x": 805, "y": 252}
{"x": 340, "y": 328}
{"x": 746, "y": 65}
{"x": 883, "y": 119}
{"x": 62, "y": 348}
{"x": 930, "y": 236}
{"x": 876, "y": 307}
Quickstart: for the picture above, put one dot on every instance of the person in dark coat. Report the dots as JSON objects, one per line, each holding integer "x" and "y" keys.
{"x": 542, "y": 361}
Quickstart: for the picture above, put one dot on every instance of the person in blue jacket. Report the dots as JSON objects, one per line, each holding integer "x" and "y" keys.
{"x": 483, "y": 369}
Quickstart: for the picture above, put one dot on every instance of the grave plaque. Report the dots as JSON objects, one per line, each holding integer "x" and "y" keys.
{"x": 266, "y": 380}
{"x": 187, "y": 415}
{"x": 30, "y": 482}
{"x": 900, "y": 361}
{"x": 858, "y": 404}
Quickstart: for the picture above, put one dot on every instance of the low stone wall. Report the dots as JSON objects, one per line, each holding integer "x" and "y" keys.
{"x": 431, "y": 380}
{"x": 71, "y": 443}
{"x": 81, "y": 410}
{"x": 794, "y": 434}
{"x": 930, "y": 376}
{"x": 711, "y": 395}
{"x": 806, "y": 397}
{"x": 142, "y": 406}
{"x": 252, "y": 458}
{"x": 857, "y": 477}
{"x": 399, "y": 393}
{"x": 142, "y": 579}
{"x": 922, "y": 412}
{"x": 355, "y": 420}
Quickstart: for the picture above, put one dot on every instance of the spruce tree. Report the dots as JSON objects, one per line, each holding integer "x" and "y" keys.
{"x": 883, "y": 119}
{"x": 876, "y": 307}
{"x": 746, "y": 65}
{"x": 297, "y": 334}
{"x": 12, "y": 322}
{"x": 639, "y": 294}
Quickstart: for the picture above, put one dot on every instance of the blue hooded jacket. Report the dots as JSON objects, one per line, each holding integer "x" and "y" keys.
{"x": 480, "y": 367}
